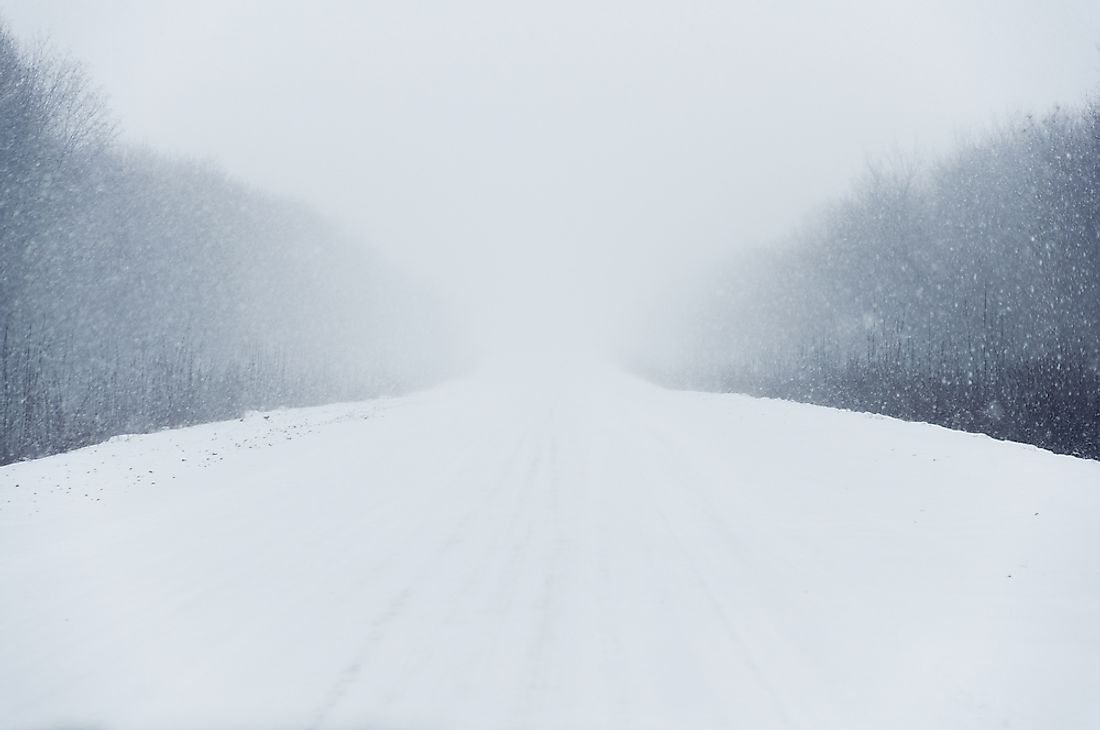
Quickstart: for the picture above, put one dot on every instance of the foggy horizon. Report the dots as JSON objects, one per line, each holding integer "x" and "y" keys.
{"x": 553, "y": 168}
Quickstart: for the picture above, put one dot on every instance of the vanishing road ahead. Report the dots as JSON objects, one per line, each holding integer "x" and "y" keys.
{"x": 571, "y": 548}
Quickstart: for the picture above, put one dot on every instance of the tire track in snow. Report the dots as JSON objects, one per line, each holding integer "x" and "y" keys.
{"x": 407, "y": 595}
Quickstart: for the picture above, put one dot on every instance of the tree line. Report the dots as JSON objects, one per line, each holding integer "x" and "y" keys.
{"x": 963, "y": 292}
{"x": 139, "y": 292}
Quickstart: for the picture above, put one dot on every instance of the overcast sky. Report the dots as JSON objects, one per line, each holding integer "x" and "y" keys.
{"x": 552, "y": 161}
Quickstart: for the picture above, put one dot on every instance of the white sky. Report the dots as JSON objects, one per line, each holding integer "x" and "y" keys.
{"x": 544, "y": 165}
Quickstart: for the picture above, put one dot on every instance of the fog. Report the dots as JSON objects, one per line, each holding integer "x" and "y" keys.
{"x": 547, "y": 168}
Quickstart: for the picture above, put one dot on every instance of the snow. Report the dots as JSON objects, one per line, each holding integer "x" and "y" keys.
{"x": 568, "y": 548}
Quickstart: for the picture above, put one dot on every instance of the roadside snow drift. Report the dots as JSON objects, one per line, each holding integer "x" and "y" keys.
{"x": 575, "y": 549}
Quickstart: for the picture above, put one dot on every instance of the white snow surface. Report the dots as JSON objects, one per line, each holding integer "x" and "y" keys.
{"x": 564, "y": 548}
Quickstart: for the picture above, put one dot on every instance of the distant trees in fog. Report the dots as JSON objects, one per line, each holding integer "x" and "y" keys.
{"x": 138, "y": 292}
{"x": 965, "y": 293}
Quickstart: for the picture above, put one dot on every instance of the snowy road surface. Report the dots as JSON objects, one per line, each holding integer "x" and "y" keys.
{"x": 567, "y": 550}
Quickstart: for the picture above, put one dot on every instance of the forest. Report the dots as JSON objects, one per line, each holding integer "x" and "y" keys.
{"x": 963, "y": 292}
{"x": 140, "y": 292}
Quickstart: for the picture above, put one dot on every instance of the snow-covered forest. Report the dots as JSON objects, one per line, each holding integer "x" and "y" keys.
{"x": 139, "y": 291}
{"x": 962, "y": 291}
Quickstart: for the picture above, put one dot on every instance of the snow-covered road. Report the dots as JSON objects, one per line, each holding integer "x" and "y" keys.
{"x": 569, "y": 549}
